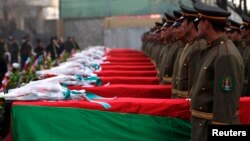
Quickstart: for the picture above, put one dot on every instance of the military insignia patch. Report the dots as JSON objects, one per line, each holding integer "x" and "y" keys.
{"x": 227, "y": 85}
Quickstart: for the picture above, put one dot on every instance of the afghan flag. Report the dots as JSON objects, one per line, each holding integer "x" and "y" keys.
{"x": 128, "y": 119}
{"x": 137, "y": 119}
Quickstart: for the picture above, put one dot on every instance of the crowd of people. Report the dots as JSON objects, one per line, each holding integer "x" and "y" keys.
{"x": 17, "y": 55}
{"x": 204, "y": 55}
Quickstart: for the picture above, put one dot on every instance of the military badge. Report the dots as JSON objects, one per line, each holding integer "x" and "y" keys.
{"x": 227, "y": 85}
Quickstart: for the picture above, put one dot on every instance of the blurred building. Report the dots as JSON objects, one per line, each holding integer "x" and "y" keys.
{"x": 37, "y": 18}
{"x": 113, "y": 23}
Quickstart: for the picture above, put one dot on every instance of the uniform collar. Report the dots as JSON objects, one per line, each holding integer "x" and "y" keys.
{"x": 217, "y": 41}
{"x": 192, "y": 40}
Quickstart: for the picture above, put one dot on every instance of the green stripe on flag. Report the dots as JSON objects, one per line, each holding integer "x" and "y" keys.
{"x": 41, "y": 123}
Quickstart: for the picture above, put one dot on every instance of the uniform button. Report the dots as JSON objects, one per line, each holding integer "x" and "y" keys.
{"x": 184, "y": 64}
{"x": 221, "y": 42}
{"x": 204, "y": 68}
{"x": 200, "y": 124}
{"x": 203, "y": 89}
{"x": 200, "y": 108}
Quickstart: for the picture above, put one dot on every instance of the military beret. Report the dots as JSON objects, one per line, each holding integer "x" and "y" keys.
{"x": 211, "y": 12}
{"x": 246, "y": 22}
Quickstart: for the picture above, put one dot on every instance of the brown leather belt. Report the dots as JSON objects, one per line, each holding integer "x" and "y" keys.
{"x": 167, "y": 79}
{"x": 183, "y": 94}
{"x": 204, "y": 115}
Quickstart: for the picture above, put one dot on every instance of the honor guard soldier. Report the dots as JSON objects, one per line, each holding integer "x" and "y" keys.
{"x": 245, "y": 31}
{"x": 156, "y": 43}
{"x": 185, "y": 65}
{"x": 168, "y": 65}
{"x": 168, "y": 37}
{"x": 152, "y": 39}
{"x": 161, "y": 43}
{"x": 234, "y": 33}
{"x": 218, "y": 79}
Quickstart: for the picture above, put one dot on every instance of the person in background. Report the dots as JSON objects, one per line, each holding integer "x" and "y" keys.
{"x": 52, "y": 48}
{"x": 3, "y": 64}
{"x": 25, "y": 50}
{"x": 61, "y": 47}
{"x": 234, "y": 33}
{"x": 39, "y": 49}
{"x": 245, "y": 32}
{"x": 76, "y": 45}
{"x": 13, "y": 49}
{"x": 69, "y": 45}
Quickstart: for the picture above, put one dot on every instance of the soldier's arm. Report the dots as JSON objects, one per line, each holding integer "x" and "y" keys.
{"x": 227, "y": 89}
{"x": 247, "y": 78}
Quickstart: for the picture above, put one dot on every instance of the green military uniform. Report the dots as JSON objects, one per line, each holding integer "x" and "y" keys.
{"x": 163, "y": 61}
{"x": 246, "y": 55}
{"x": 166, "y": 41}
{"x": 168, "y": 66}
{"x": 175, "y": 72}
{"x": 211, "y": 94}
{"x": 149, "y": 46}
{"x": 232, "y": 30}
{"x": 240, "y": 46}
{"x": 155, "y": 42}
{"x": 155, "y": 49}
{"x": 246, "y": 59}
{"x": 163, "y": 52}
{"x": 167, "y": 63}
{"x": 187, "y": 65}
{"x": 157, "y": 56}
{"x": 218, "y": 81}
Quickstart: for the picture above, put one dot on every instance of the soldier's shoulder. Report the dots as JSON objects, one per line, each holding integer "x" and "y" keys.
{"x": 227, "y": 45}
{"x": 202, "y": 43}
{"x": 199, "y": 44}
